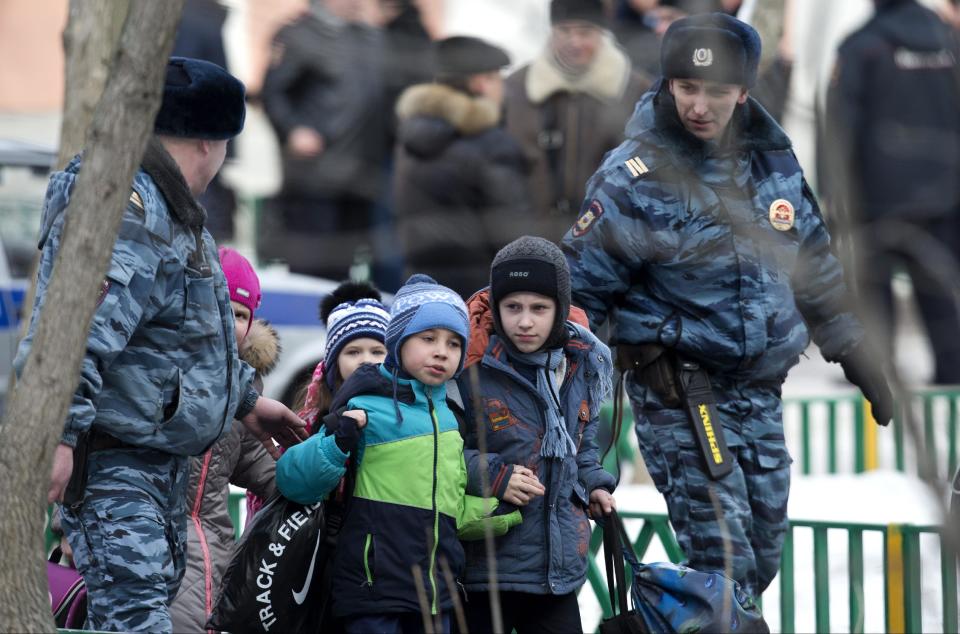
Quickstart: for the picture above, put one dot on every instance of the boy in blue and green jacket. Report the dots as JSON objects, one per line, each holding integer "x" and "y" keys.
{"x": 409, "y": 502}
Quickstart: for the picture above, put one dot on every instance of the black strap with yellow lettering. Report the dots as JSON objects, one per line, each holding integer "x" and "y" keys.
{"x": 702, "y": 410}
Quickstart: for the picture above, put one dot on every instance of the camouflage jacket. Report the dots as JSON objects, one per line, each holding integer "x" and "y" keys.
{"x": 722, "y": 255}
{"x": 161, "y": 368}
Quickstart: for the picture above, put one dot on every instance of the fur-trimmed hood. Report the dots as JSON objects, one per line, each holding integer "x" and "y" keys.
{"x": 606, "y": 79}
{"x": 467, "y": 114}
{"x": 261, "y": 347}
{"x": 433, "y": 115}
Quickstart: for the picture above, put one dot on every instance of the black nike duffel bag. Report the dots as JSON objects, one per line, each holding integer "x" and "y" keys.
{"x": 275, "y": 580}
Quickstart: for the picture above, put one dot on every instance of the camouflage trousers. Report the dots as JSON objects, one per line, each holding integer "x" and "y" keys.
{"x": 735, "y": 525}
{"x": 129, "y": 536}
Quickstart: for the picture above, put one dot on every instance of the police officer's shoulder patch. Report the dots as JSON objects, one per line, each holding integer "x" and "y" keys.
{"x": 636, "y": 166}
{"x": 587, "y": 220}
{"x": 136, "y": 200}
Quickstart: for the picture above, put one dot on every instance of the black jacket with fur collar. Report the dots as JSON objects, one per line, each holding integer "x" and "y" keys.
{"x": 459, "y": 185}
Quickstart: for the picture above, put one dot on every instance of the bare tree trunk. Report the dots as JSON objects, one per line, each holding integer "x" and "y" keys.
{"x": 122, "y": 124}
{"x": 89, "y": 41}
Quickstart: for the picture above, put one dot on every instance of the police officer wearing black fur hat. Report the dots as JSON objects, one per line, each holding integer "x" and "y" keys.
{"x": 161, "y": 380}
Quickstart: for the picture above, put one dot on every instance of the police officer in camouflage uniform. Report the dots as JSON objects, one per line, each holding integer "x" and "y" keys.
{"x": 161, "y": 379}
{"x": 701, "y": 241}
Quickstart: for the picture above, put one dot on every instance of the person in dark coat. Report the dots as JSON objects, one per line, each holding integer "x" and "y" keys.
{"x": 894, "y": 157}
{"x": 200, "y": 36}
{"x": 460, "y": 181}
{"x": 324, "y": 97}
{"x": 568, "y": 108}
{"x": 408, "y": 59}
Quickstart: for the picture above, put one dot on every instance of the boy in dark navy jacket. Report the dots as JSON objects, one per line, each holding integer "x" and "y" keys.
{"x": 540, "y": 382}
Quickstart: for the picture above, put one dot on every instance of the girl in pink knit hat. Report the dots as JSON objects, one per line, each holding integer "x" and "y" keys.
{"x": 237, "y": 458}
{"x": 244, "y": 289}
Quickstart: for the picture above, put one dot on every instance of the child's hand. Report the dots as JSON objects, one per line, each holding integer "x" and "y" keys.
{"x": 601, "y": 503}
{"x": 358, "y": 415}
{"x": 523, "y": 486}
{"x": 348, "y": 431}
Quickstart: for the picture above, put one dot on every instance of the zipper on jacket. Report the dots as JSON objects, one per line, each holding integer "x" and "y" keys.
{"x": 366, "y": 558}
{"x": 436, "y": 514}
{"x": 546, "y": 526}
{"x": 201, "y": 535}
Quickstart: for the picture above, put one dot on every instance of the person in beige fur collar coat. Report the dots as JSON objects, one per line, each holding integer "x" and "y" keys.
{"x": 568, "y": 107}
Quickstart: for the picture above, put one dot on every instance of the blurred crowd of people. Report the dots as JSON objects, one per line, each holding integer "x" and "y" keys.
{"x": 405, "y": 153}
{"x": 408, "y": 154}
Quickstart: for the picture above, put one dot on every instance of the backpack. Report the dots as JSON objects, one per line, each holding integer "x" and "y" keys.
{"x": 68, "y": 593}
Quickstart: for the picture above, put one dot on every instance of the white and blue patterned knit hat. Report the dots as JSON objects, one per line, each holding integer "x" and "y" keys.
{"x": 352, "y": 320}
{"x": 422, "y": 304}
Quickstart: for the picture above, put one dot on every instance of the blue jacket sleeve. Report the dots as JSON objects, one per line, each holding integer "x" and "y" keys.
{"x": 590, "y": 472}
{"x": 604, "y": 247}
{"x": 307, "y": 472}
{"x": 498, "y": 472}
{"x": 819, "y": 288}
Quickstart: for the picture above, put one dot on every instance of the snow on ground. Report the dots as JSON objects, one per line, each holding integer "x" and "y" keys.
{"x": 880, "y": 497}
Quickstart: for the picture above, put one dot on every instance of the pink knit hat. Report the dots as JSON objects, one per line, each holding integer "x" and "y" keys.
{"x": 241, "y": 279}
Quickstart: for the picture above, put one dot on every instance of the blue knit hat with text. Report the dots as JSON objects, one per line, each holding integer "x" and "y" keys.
{"x": 422, "y": 304}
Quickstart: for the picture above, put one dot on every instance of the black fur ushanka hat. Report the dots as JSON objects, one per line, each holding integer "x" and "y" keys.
{"x": 711, "y": 46}
{"x": 200, "y": 101}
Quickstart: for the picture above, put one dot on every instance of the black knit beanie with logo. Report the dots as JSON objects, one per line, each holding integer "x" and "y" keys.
{"x": 532, "y": 265}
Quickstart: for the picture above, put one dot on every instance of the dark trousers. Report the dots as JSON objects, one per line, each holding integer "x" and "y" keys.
{"x": 320, "y": 236}
{"x": 411, "y": 623}
{"x": 220, "y": 202}
{"x": 927, "y": 250}
{"x": 525, "y": 613}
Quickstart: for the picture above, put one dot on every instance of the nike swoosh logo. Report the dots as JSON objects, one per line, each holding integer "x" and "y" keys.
{"x": 301, "y": 596}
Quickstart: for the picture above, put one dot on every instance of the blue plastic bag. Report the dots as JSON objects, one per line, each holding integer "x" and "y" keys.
{"x": 670, "y": 598}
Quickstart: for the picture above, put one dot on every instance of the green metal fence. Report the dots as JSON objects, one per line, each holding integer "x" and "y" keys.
{"x": 835, "y": 434}
{"x": 902, "y": 571}
{"x": 827, "y": 435}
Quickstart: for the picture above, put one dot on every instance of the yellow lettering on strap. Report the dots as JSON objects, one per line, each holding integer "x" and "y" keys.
{"x": 711, "y": 436}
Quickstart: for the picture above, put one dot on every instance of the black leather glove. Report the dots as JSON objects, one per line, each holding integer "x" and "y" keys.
{"x": 864, "y": 370}
{"x": 347, "y": 435}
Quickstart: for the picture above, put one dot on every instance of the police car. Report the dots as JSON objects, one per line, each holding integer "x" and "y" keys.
{"x": 290, "y": 302}
{"x": 23, "y": 177}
